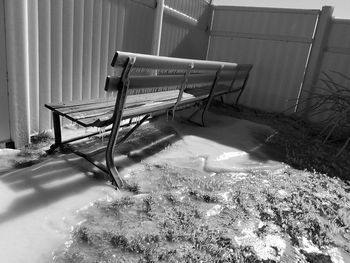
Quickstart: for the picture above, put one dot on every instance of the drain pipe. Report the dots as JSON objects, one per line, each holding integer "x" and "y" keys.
{"x": 157, "y": 27}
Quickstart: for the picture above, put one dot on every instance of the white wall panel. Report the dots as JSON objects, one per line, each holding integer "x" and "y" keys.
{"x": 266, "y": 21}
{"x": 340, "y": 34}
{"x": 275, "y": 41}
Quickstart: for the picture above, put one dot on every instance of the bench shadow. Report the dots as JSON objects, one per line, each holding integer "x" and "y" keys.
{"x": 45, "y": 183}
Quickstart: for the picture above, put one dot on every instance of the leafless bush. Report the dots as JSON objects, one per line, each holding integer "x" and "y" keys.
{"x": 332, "y": 101}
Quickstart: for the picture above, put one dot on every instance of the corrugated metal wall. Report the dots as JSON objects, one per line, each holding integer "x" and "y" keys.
{"x": 336, "y": 57}
{"x": 276, "y": 41}
{"x": 71, "y": 46}
{"x": 182, "y": 36}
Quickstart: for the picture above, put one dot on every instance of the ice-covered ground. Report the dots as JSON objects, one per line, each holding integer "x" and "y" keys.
{"x": 39, "y": 204}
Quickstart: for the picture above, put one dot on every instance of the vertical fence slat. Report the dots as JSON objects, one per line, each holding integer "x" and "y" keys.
{"x": 67, "y": 50}
{"x": 56, "y": 50}
{"x": 87, "y": 48}
{"x": 33, "y": 45}
{"x": 113, "y": 27}
{"x": 120, "y": 27}
{"x": 105, "y": 35}
{"x": 44, "y": 63}
{"x": 78, "y": 45}
{"x": 96, "y": 47}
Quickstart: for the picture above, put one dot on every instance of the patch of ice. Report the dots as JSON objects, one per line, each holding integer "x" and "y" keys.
{"x": 84, "y": 208}
{"x": 275, "y": 243}
{"x": 229, "y": 155}
{"x": 282, "y": 193}
{"x": 269, "y": 247}
{"x": 309, "y": 247}
{"x": 261, "y": 224}
{"x": 215, "y": 210}
{"x": 225, "y": 196}
{"x": 337, "y": 256}
{"x": 8, "y": 152}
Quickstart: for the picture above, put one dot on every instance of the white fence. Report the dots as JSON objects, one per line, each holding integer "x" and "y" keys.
{"x": 61, "y": 50}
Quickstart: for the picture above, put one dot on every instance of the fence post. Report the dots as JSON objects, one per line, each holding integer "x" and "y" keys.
{"x": 157, "y": 27}
{"x": 16, "y": 20}
{"x": 315, "y": 59}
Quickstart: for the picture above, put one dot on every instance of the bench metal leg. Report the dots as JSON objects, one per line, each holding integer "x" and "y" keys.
{"x": 57, "y": 133}
{"x": 113, "y": 172}
{"x": 242, "y": 89}
{"x": 209, "y": 98}
{"x": 200, "y": 111}
{"x": 112, "y": 143}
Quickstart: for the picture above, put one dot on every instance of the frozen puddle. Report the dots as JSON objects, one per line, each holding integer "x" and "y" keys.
{"x": 39, "y": 204}
{"x": 38, "y": 208}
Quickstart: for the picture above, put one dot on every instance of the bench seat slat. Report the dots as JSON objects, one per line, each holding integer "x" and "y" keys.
{"x": 94, "y": 102}
{"x": 132, "y": 102}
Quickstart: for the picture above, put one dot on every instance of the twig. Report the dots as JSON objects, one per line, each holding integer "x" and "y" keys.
{"x": 344, "y": 146}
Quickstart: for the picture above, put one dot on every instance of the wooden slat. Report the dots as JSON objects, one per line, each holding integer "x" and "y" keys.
{"x": 60, "y": 105}
{"x": 132, "y": 110}
{"x": 135, "y": 82}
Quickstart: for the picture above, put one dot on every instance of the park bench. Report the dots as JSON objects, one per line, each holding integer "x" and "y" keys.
{"x": 145, "y": 86}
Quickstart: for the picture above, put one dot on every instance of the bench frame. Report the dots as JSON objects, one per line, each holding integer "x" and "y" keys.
{"x": 121, "y": 85}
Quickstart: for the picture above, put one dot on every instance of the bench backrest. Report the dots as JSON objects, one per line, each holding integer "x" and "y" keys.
{"x": 148, "y": 73}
